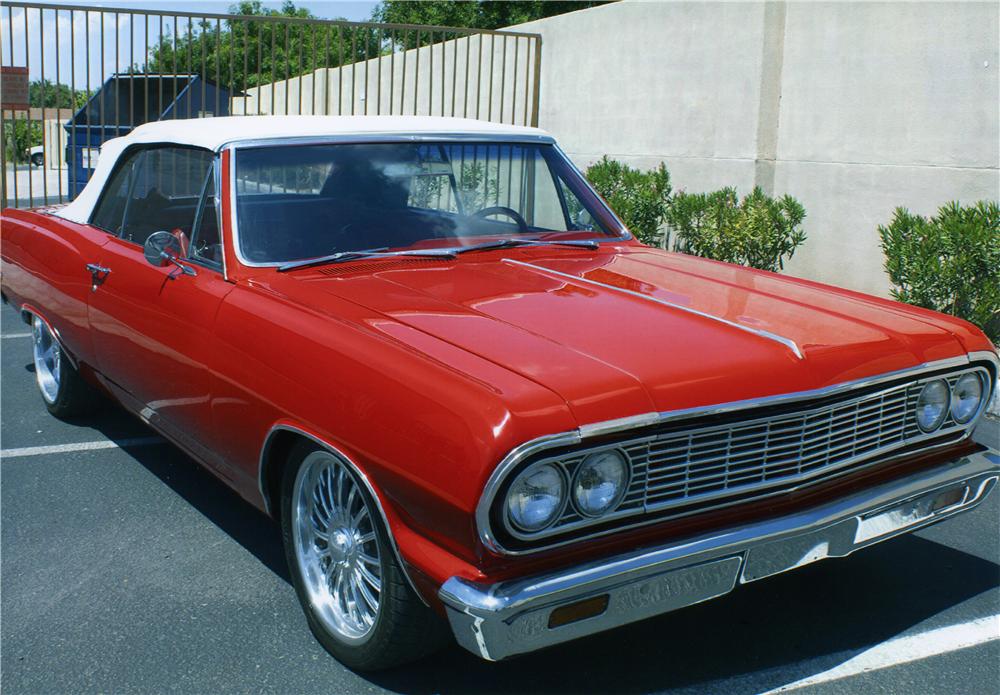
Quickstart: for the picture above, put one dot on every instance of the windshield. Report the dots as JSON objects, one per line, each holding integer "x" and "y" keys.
{"x": 303, "y": 201}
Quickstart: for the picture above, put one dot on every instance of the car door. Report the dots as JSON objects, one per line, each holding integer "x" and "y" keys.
{"x": 152, "y": 325}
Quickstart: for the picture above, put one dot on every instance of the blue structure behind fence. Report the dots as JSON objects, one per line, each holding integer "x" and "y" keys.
{"x": 125, "y": 101}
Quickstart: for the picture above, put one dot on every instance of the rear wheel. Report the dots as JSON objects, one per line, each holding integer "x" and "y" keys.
{"x": 354, "y": 594}
{"x": 38, "y": 159}
{"x": 63, "y": 390}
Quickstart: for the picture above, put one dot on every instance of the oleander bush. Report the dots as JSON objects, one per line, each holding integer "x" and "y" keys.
{"x": 757, "y": 230}
{"x": 949, "y": 262}
{"x": 639, "y": 198}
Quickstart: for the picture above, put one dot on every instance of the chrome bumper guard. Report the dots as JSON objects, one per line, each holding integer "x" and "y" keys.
{"x": 501, "y": 620}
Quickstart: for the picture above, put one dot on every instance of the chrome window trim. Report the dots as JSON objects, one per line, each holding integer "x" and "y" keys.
{"x": 787, "y": 342}
{"x": 356, "y": 469}
{"x": 600, "y": 199}
{"x": 571, "y": 438}
{"x": 376, "y": 138}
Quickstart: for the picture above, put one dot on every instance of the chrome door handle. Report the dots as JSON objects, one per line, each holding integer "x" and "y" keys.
{"x": 98, "y": 274}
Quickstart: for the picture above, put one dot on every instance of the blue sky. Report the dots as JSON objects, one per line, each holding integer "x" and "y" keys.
{"x": 12, "y": 34}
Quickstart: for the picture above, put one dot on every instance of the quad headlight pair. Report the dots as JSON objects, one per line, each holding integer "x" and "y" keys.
{"x": 936, "y": 399}
{"x": 540, "y": 493}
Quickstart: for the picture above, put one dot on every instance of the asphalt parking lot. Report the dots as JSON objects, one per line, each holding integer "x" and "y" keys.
{"x": 127, "y": 569}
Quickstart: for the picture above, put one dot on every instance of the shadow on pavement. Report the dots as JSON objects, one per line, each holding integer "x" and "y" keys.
{"x": 828, "y": 611}
{"x": 257, "y": 533}
{"x": 831, "y": 609}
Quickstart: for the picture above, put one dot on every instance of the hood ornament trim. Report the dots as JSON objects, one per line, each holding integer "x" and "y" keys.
{"x": 787, "y": 342}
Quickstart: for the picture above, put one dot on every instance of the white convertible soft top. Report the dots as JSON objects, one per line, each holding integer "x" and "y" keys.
{"x": 213, "y": 133}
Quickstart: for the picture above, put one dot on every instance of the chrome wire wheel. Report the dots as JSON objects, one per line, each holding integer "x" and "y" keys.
{"x": 48, "y": 359}
{"x": 336, "y": 547}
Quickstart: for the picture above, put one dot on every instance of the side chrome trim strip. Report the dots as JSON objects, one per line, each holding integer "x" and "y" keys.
{"x": 584, "y": 432}
{"x": 787, "y": 342}
{"x": 357, "y": 471}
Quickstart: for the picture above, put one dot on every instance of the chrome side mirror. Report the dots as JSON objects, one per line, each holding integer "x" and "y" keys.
{"x": 161, "y": 249}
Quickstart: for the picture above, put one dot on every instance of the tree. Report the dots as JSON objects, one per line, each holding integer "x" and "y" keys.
{"x": 243, "y": 53}
{"x": 19, "y": 136}
{"x": 43, "y": 93}
{"x": 481, "y": 14}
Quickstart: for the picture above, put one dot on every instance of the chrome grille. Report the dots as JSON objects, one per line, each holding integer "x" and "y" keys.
{"x": 743, "y": 460}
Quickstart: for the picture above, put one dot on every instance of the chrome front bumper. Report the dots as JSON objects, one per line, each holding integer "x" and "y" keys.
{"x": 500, "y": 620}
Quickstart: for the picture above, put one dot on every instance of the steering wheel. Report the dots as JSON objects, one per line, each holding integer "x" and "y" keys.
{"x": 503, "y": 210}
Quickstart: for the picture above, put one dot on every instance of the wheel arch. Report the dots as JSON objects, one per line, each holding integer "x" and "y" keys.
{"x": 27, "y": 311}
{"x": 274, "y": 454}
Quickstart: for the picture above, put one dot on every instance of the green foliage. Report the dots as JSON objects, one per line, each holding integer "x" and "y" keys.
{"x": 949, "y": 262}
{"x": 241, "y": 53}
{"x": 44, "y": 93}
{"x": 640, "y": 198}
{"x": 475, "y": 15}
{"x": 18, "y": 137}
{"x": 758, "y": 231}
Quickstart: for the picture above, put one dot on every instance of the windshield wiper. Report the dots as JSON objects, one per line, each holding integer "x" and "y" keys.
{"x": 511, "y": 243}
{"x": 344, "y": 256}
{"x": 451, "y": 252}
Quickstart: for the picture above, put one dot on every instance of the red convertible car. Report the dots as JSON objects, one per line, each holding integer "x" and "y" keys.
{"x": 473, "y": 402}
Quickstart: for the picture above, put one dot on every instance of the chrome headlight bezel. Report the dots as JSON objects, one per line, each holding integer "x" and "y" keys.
{"x": 981, "y": 400}
{"x": 587, "y": 463}
{"x": 935, "y": 424}
{"x": 557, "y": 509}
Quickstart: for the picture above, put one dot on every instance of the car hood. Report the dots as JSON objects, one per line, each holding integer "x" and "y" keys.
{"x": 626, "y": 330}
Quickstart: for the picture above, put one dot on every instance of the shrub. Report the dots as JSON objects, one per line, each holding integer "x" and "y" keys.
{"x": 20, "y": 136}
{"x": 640, "y": 198}
{"x": 758, "y": 231}
{"x": 949, "y": 262}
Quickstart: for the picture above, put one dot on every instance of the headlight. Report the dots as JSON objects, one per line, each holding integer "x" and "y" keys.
{"x": 932, "y": 405}
{"x": 536, "y": 497}
{"x": 966, "y": 397}
{"x": 599, "y": 483}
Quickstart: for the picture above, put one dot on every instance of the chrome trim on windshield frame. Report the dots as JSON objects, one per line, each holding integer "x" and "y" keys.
{"x": 532, "y": 447}
{"x": 627, "y": 235}
{"x": 376, "y": 138}
{"x": 787, "y": 342}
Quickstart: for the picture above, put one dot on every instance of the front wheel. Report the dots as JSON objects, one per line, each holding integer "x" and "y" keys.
{"x": 354, "y": 594}
{"x": 63, "y": 390}
{"x": 38, "y": 159}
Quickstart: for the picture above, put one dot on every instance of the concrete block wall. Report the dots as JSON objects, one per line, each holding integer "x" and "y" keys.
{"x": 853, "y": 108}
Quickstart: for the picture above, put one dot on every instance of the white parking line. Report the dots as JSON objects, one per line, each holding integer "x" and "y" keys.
{"x": 16, "y": 335}
{"x": 80, "y": 446}
{"x": 903, "y": 650}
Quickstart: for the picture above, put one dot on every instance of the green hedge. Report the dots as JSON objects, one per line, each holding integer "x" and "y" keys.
{"x": 640, "y": 198}
{"x": 758, "y": 231}
{"x": 949, "y": 262}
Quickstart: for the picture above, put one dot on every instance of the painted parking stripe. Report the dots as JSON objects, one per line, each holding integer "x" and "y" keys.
{"x": 80, "y": 446}
{"x": 903, "y": 650}
{"x": 16, "y": 335}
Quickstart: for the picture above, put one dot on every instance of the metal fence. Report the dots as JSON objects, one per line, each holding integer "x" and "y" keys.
{"x": 96, "y": 73}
